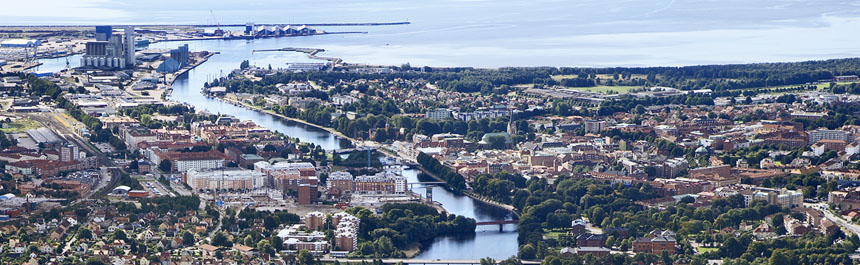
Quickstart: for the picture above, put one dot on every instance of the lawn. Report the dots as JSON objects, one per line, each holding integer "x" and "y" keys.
{"x": 554, "y": 233}
{"x": 560, "y": 77}
{"x": 703, "y": 250}
{"x": 21, "y": 125}
{"x": 819, "y": 87}
{"x": 606, "y": 89}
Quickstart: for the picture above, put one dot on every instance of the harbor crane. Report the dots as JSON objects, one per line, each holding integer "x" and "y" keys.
{"x": 218, "y": 31}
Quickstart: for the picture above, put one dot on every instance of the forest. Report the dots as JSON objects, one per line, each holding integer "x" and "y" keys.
{"x": 464, "y": 79}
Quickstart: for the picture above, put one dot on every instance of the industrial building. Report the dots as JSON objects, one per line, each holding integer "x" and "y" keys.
{"x": 20, "y": 43}
{"x": 110, "y": 50}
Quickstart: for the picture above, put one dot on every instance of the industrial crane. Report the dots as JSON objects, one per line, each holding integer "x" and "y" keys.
{"x": 219, "y": 31}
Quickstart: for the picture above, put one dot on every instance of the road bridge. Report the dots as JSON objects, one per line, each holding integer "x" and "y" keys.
{"x": 500, "y": 223}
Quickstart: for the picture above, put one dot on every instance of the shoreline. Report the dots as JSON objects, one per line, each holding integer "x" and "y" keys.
{"x": 255, "y": 108}
{"x": 168, "y": 89}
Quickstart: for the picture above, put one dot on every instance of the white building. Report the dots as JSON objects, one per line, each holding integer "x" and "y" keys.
{"x": 822, "y": 134}
{"x": 235, "y": 179}
{"x": 438, "y": 114}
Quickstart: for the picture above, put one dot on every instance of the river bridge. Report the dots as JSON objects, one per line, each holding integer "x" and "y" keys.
{"x": 350, "y": 150}
{"x": 500, "y": 223}
{"x": 421, "y": 261}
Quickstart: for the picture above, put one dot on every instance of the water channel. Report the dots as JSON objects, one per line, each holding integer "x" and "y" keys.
{"x": 488, "y": 241}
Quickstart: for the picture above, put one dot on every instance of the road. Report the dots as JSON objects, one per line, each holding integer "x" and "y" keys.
{"x": 838, "y": 220}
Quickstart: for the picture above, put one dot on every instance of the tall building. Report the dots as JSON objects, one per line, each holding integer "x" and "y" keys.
{"x": 69, "y": 152}
{"x": 314, "y": 220}
{"x": 308, "y": 193}
{"x": 128, "y": 47}
{"x": 594, "y": 126}
{"x": 103, "y": 33}
{"x": 346, "y": 228}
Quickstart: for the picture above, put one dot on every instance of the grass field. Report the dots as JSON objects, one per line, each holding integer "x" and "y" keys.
{"x": 560, "y": 77}
{"x": 606, "y": 89}
{"x": 554, "y": 233}
{"x": 706, "y": 250}
{"x": 21, "y": 125}
{"x": 821, "y": 86}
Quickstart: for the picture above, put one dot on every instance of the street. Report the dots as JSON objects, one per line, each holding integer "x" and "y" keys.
{"x": 838, "y": 220}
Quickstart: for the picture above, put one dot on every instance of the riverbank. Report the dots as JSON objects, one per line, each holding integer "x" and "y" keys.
{"x": 170, "y": 78}
{"x": 507, "y": 207}
{"x": 270, "y": 112}
{"x": 183, "y": 70}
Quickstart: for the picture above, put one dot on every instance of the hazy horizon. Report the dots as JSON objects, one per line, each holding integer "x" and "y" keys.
{"x": 515, "y": 33}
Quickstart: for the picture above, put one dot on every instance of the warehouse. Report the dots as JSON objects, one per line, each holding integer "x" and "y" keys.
{"x": 20, "y": 43}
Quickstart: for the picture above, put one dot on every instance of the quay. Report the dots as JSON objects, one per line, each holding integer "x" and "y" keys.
{"x": 311, "y": 52}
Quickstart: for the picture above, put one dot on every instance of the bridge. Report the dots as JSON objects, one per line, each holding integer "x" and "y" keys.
{"x": 350, "y": 150}
{"x": 427, "y": 183}
{"x": 420, "y": 261}
{"x": 501, "y": 223}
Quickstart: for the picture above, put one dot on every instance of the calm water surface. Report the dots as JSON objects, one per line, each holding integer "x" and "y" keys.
{"x": 485, "y": 33}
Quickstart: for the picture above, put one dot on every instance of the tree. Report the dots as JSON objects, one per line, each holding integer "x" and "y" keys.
{"x": 119, "y": 234}
{"x": 527, "y": 251}
{"x": 496, "y": 142}
{"x": 94, "y": 261}
{"x": 488, "y": 261}
{"x": 278, "y": 243}
{"x": 221, "y": 240}
{"x": 664, "y": 256}
{"x": 187, "y": 238}
{"x": 85, "y": 233}
{"x": 779, "y": 224}
{"x": 248, "y": 241}
{"x": 305, "y": 258}
{"x": 265, "y": 247}
{"x": 778, "y": 257}
{"x": 165, "y": 166}
{"x": 269, "y": 148}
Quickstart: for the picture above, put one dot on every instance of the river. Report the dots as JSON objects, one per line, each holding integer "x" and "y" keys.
{"x": 488, "y": 241}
